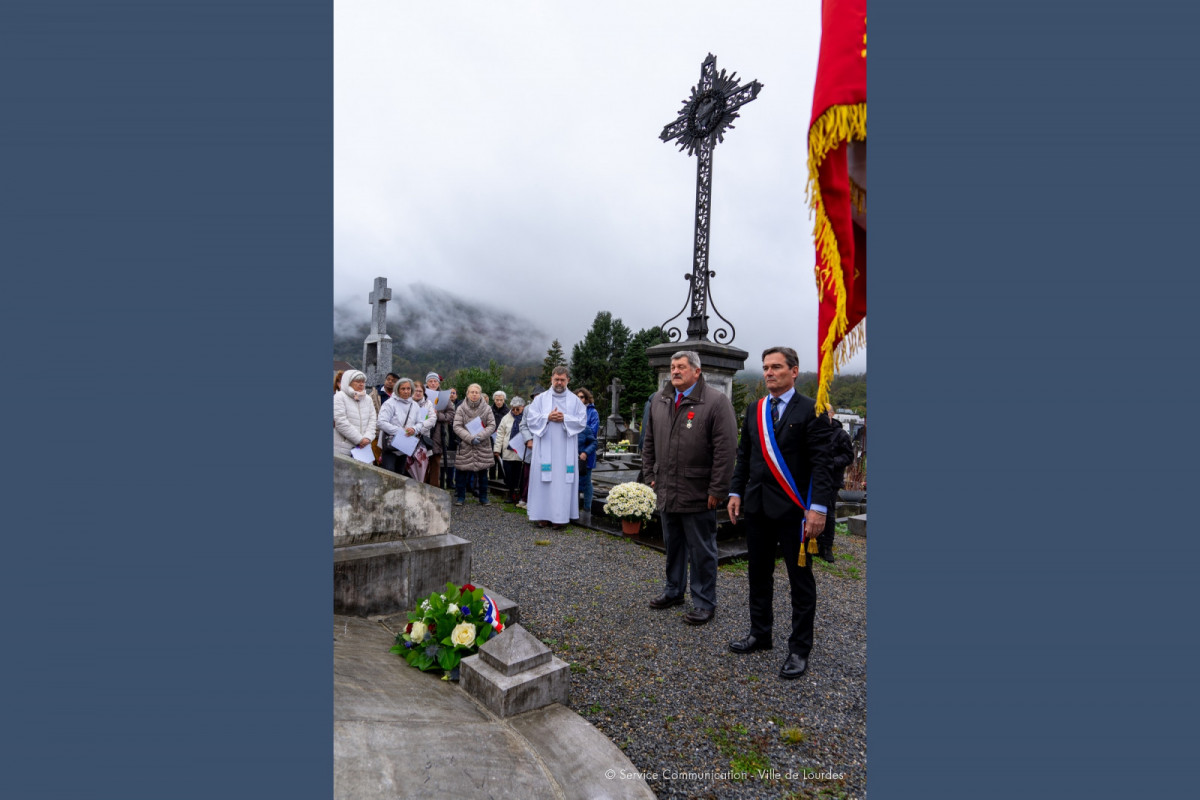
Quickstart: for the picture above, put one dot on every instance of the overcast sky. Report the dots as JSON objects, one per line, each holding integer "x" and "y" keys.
{"x": 507, "y": 152}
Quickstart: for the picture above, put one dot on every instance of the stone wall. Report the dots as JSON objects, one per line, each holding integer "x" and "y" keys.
{"x": 392, "y": 544}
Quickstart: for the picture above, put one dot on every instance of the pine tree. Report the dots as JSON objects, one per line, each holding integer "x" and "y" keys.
{"x": 741, "y": 399}
{"x": 594, "y": 359}
{"x": 635, "y": 372}
{"x": 555, "y": 357}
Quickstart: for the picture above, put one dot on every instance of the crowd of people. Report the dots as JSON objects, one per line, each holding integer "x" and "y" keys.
{"x": 778, "y": 476}
{"x": 440, "y": 449}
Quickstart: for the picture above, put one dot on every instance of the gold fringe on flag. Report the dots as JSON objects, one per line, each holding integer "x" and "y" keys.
{"x": 839, "y": 124}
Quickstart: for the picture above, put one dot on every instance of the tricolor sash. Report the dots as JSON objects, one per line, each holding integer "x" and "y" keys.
{"x": 779, "y": 468}
{"x": 773, "y": 457}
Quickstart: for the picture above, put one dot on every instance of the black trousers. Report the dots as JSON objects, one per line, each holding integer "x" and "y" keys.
{"x": 512, "y": 476}
{"x": 827, "y": 535}
{"x": 395, "y": 461}
{"x": 764, "y": 539}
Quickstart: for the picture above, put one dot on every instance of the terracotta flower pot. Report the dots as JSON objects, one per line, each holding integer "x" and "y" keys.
{"x": 631, "y": 527}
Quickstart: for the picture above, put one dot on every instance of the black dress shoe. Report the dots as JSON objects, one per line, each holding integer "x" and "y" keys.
{"x": 699, "y": 616}
{"x": 663, "y": 601}
{"x": 749, "y": 644}
{"x": 794, "y": 667}
{"x": 827, "y": 554}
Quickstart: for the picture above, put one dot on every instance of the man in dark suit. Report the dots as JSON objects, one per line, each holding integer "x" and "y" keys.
{"x": 781, "y": 512}
{"x": 841, "y": 454}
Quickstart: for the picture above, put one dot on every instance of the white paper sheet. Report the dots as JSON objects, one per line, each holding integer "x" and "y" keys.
{"x": 363, "y": 454}
{"x": 475, "y": 427}
{"x": 441, "y": 399}
{"x": 518, "y": 445}
{"x": 406, "y": 444}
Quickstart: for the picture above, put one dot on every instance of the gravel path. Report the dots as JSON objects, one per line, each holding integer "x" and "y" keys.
{"x": 673, "y": 696}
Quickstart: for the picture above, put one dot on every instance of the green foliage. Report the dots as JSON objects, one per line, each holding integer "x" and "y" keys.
{"x": 635, "y": 372}
{"x": 792, "y": 735}
{"x": 838, "y": 570}
{"x": 741, "y": 398}
{"x": 555, "y": 357}
{"x": 428, "y": 639}
{"x": 489, "y": 381}
{"x": 745, "y": 754}
{"x": 594, "y": 358}
{"x": 847, "y": 391}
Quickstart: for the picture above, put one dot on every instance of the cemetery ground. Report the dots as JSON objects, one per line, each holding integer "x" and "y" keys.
{"x": 698, "y": 720}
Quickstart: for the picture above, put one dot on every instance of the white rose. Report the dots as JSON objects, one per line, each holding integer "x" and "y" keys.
{"x": 452, "y": 608}
{"x": 418, "y": 631}
{"x": 463, "y": 633}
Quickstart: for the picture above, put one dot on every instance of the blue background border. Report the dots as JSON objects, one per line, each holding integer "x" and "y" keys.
{"x": 1031, "y": 601}
{"x": 168, "y": 210}
{"x": 168, "y": 207}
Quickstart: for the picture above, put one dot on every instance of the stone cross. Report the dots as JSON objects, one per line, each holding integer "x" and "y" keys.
{"x": 615, "y": 427}
{"x": 377, "y": 347}
{"x": 616, "y": 388}
{"x": 378, "y": 300}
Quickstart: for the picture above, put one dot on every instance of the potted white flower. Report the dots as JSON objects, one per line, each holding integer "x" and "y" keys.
{"x": 632, "y": 503}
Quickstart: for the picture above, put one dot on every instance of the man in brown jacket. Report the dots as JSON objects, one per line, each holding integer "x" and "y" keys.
{"x": 688, "y": 457}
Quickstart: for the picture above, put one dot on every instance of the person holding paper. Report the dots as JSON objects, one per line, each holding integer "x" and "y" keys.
{"x": 353, "y": 414}
{"x": 474, "y": 425}
{"x": 398, "y": 421}
{"x": 555, "y": 419}
{"x": 509, "y": 433}
{"x": 443, "y": 419}
{"x": 427, "y": 418}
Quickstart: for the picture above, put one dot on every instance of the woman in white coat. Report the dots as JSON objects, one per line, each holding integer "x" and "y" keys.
{"x": 398, "y": 417}
{"x": 353, "y": 414}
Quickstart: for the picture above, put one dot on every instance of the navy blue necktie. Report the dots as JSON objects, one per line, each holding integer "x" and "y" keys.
{"x": 775, "y": 409}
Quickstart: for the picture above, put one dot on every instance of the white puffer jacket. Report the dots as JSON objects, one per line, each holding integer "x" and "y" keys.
{"x": 353, "y": 415}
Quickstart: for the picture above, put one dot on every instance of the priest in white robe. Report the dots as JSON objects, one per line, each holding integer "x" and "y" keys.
{"x": 555, "y": 418}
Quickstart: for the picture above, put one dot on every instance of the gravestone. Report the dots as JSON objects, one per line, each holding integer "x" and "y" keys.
{"x": 377, "y": 347}
{"x": 616, "y": 427}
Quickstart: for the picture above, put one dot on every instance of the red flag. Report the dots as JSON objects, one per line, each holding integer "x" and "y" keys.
{"x": 839, "y": 118}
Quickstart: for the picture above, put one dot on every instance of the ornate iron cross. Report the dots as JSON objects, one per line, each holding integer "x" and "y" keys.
{"x": 702, "y": 122}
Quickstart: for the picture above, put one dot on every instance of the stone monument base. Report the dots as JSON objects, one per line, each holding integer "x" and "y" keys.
{"x": 388, "y": 577}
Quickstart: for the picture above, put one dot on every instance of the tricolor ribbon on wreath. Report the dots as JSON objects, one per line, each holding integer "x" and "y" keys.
{"x": 783, "y": 476}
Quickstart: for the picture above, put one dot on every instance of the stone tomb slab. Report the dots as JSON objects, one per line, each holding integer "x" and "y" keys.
{"x": 399, "y": 732}
{"x": 578, "y": 755}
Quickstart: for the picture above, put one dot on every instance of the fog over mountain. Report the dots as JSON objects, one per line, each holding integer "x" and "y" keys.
{"x": 427, "y": 323}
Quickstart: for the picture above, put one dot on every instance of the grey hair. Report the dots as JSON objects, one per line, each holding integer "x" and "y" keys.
{"x": 560, "y": 370}
{"x": 403, "y": 381}
{"x": 499, "y": 392}
{"x": 691, "y": 355}
{"x": 517, "y": 402}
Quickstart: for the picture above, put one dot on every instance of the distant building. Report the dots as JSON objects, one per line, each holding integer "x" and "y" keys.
{"x": 850, "y": 421}
{"x": 341, "y": 366}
